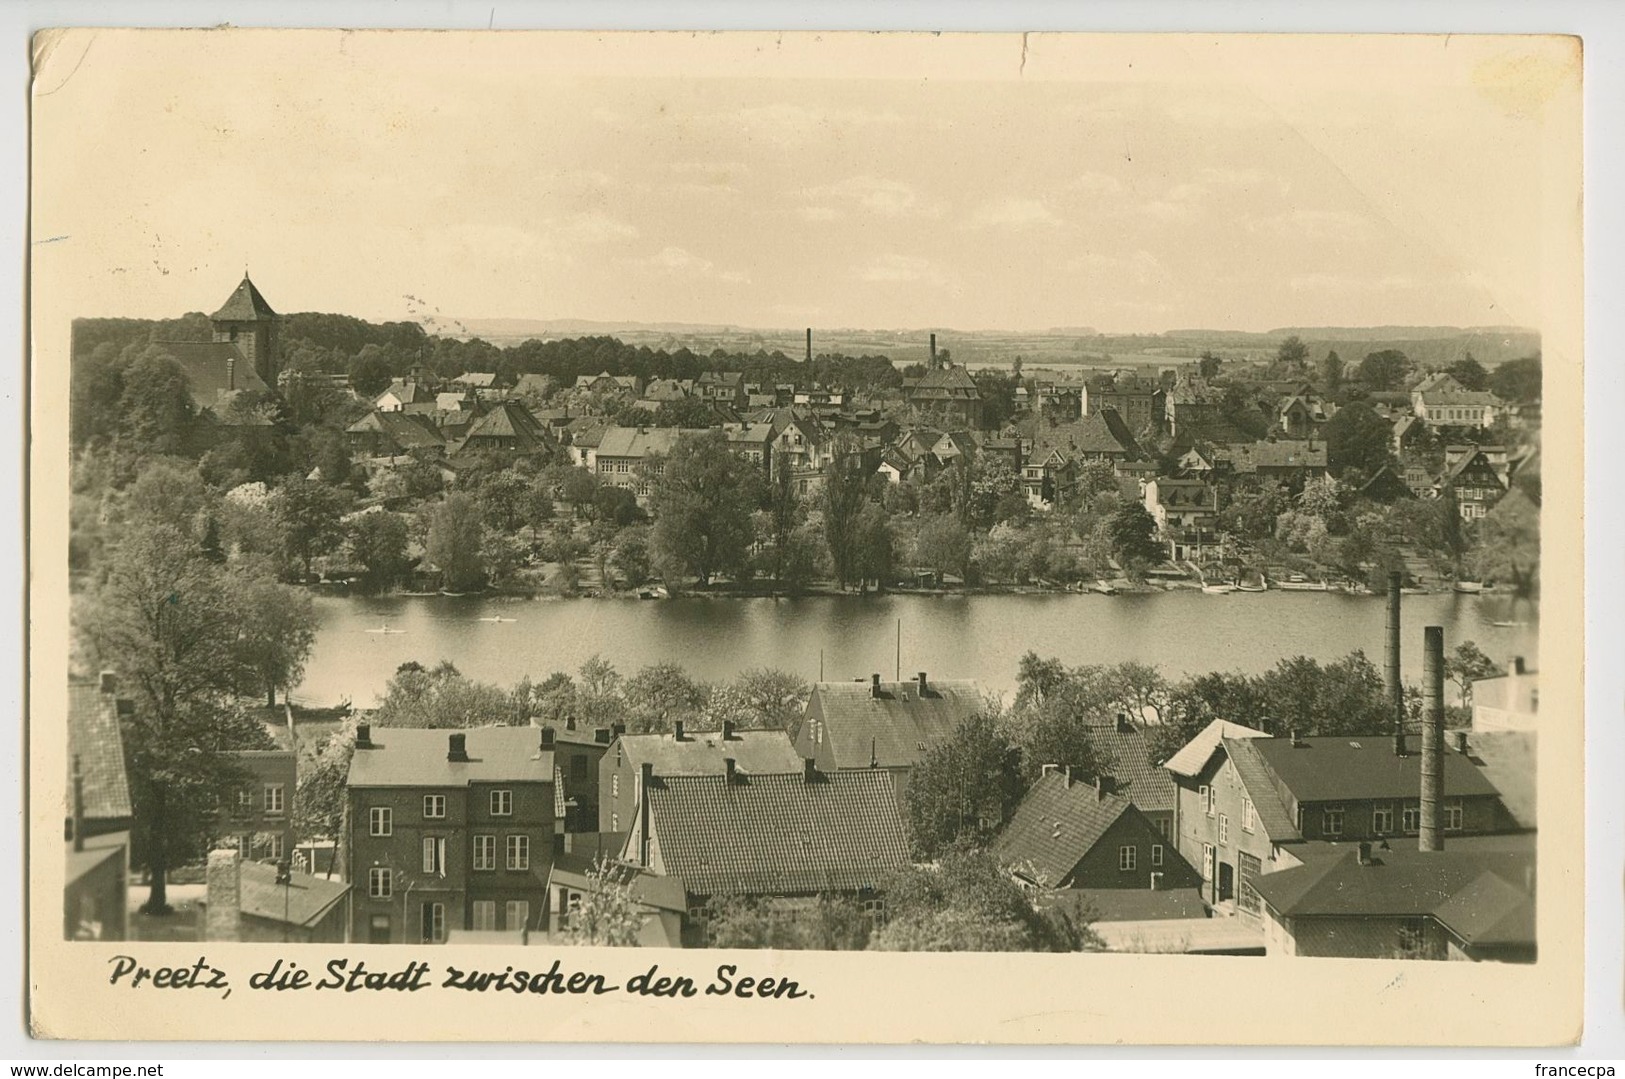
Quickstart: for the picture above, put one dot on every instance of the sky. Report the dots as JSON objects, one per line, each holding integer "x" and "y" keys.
{"x": 1145, "y": 184}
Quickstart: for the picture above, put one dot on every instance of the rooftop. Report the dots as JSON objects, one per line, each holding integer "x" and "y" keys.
{"x": 701, "y": 753}
{"x": 1331, "y": 769}
{"x": 95, "y": 739}
{"x": 1195, "y": 754}
{"x": 779, "y": 834}
{"x": 403, "y": 757}
{"x": 1059, "y": 822}
{"x": 895, "y": 726}
{"x": 304, "y": 898}
{"x": 245, "y": 304}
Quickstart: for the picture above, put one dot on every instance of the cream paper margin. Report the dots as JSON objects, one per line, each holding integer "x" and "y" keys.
{"x": 856, "y": 997}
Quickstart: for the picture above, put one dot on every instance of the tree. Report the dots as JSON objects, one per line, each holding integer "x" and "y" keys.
{"x": 311, "y": 513}
{"x": 1518, "y": 381}
{"x": 943, "y": 544}
{"x": 1384, "y": 370}
{"x": 831, "y": 923}
{"x": 659, "y": 695}
{"x": 1331, "y": 370}
{"x": 845, "y": 492}
{"x": 276, "y": 631}
{"x": 318, "y": 811}
{"x": 1292, "y": 353}
{"x": 630, "y": 555}
{"x": 785, "y": 514}
{"x": 165, "y": 619}
{"x": 1345, "y": 697}
{"x": 369, "y": 372}
{"x": 702, "y": 503}
{"x": 453, "y": 542}
{"x": 964, "y": 788}
{"x": 378, "y": 544}
{"x": 968, "y": 902}
{"x": 874, "y": 554}
{"x": 155, "y": 408}
{"x": 1131, "y": 531}
{"x": 608, "y": 915}
{"x": 1358, "y": 438}
{"x": 1207, "y": 365}
{"x": 1470, "y": 373}
{"x": 1466, "y": 665}
{"x": 443, "y": 697}
{"x": 775, "y": 698}
{"x": 1509, "y": 543}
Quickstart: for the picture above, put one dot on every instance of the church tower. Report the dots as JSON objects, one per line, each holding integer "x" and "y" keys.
{"x": 248, "y": 322}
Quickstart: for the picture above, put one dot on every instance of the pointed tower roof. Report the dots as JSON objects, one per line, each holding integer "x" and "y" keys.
{"x": 244, "y": 305}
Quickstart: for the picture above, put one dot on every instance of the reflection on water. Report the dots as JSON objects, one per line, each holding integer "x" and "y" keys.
{"x": 979, "y": 637}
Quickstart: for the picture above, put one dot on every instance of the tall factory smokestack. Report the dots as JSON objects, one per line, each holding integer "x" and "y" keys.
{"x": 809, "y": 344}
{"x": 1432, "y": 738}
{"x": 933, "y": 351}
{"x": 1392, "y": 683}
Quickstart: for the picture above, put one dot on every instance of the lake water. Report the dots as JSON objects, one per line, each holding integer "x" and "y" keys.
{"x": 977, "y": 637}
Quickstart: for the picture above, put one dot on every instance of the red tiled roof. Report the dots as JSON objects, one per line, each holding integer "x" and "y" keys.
{"x": 508, "y": 420}
{"x": 779, "y": 834}
{"x": 1147, "y": 785}
{"x": 207, "y": 370}
{"x": 896, "y": 728}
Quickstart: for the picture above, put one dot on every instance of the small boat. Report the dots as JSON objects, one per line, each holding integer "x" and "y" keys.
{"x": 1247, "y": 586}
{"x": 1301, "y": 585}
{"x": 657, "y": 592}
{"x": 1507, "y": 625}
{"x": 1105, "y": 588}
{"x": 454, "y": 595}
{"x": 494, "y": 618}
{"x": 1218, "y": 589}
{"x": 385, "y": 629}
{"x": 1469, "y": 588}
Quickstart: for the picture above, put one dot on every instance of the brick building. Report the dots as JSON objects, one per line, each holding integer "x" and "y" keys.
{"x": 258, "y": 818}
{"x": 683, "y": 753}
{"x": 449, "y": 829}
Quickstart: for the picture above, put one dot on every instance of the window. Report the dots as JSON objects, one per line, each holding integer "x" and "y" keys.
{"x": 1411, "y": 819}
{"x": 380, "y": 821}
{"x": 578, "y": 766}
{"x": 273, "y": 799}
{"x": 273, "y": 846}
{"x": 485, "y": 852}
{"x": 1162, "y": 826}
{"x": 1248, "y": 817}
{"x": 245, "y": 845}
{"x": 1127, "y": 858}
{"x": 875, "y": 910}
{"x": 516, "y": 914}
{"x": 1207, "y": 799}
{"x": 485, "y": 915}
{"x": 519, "y": 852}
{"x": 434, "y": 806}
{"x": 1156, "y": 856}
{"x": 1331, "y": 820}
{"x": 1207, "y": 861}
{"x": 380, "y": 883}
{"x": 434, "y": 923}
{"x": 245, "y": 803}
{"x": 434, "y": 855}
{"x": 1452, "y": 817}
{"x": 1413, "y": 938}
{"x": 1224, "y": 828}
{"x": 502, "y": 803}
{"x": 615, "y": 782}
{"x": 1382, "y": 820}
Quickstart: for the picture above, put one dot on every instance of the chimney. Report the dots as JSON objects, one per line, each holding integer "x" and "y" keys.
{"x": 921, "y": 678}
{"x": 809, "y": 770}
{"x": 731, "y": 770}
{"x": 809, "y": 344}
{"x": 231, "y": 373}
{"x": 1431, "y": 837}
{"x": 457, "y": 749}
{"x": 1364, "y": 852}
{"x": 78, "y": 805}
{"x": 1297, "y": 743}
{"x": 1156, "y": 881}
{"x": 1047, "y": 769}
{"x": 110, "y": 683}
{"x": 1103, "y": 787}
{"x": 618, "y": 729}
{"x": 1066, "y": 776}
{"x": 223, "y": 913}
{"x": 1392, "y": 684}
{"x": 1458, "y": 740}
{"x": 933, "y": 351}
{"x": 1123, "y": 724}
{"x": 601, "y": 735}
{"x": 874, "y": 686}
{"x": 647, "y": 777}
{"x": 727, "y": 730}
{"x": 1514, "y": 667}
{"x": 363, "y": 735}
{"x": 550, "y": 737}
{"x": 677, "y": 730}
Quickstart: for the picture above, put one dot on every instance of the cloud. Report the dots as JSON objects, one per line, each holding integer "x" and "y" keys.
{"x": 1140, "y": 267}
{"x": 1013, "y": 214}
{"x": 900, "y": 269}
{"x": 592, "y": 228}
{"x": 870, "y": 194}
{"x": 677, "y": 261}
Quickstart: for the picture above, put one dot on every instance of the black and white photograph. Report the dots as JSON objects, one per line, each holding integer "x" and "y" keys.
{"x": 516, "y": 496}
